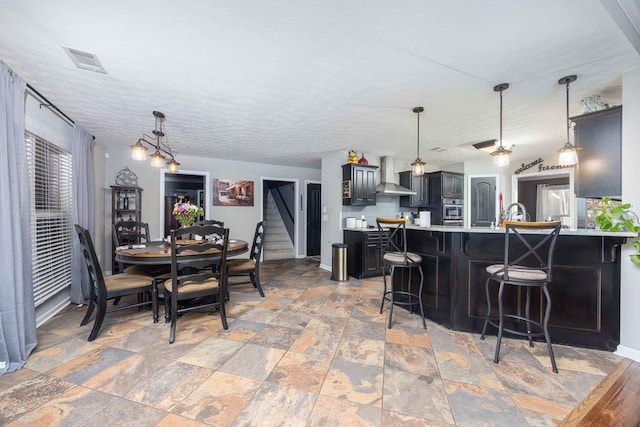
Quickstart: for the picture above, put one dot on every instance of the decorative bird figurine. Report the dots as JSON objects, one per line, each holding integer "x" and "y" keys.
{"x": 353, "y": 157}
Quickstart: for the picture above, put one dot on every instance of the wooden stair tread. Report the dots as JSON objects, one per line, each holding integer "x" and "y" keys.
{"x": 613, "y": 402}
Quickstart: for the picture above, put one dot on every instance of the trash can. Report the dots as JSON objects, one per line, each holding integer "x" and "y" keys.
{"x": 339, "y": 262}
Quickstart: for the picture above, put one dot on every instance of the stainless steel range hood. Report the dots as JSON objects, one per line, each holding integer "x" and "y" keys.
{"x": 388, "y": 180}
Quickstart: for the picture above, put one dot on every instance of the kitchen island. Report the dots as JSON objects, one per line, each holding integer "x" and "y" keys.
{"x": 585, "y": 291}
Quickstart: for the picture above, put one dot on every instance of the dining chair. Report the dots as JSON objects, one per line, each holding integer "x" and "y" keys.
{"x": 250, "y": 267}
{"x": 189, "y": 290}
{"x": 528, "y": 263}
{"x": 395, "y": 255}
{"x": 109, "y": 287}
{"x": 210, "y": 222}
{"x": 205, "y": 265}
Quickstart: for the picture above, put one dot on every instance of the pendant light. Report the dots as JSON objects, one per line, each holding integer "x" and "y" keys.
{"x": 568, "y": 154}
{"x": 501, "y": 154}
{"x": 139, "y": 150}
{"x": 417, "y": 167}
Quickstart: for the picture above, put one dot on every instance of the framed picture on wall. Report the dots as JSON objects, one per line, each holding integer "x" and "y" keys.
{"x": 228, "y": 192}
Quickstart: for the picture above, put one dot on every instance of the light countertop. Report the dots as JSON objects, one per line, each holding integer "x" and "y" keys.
{"x": 564, "y": 231}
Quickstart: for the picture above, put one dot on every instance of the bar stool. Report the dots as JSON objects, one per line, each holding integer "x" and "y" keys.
{"x": 395, "y": 255}
{"x": 521, "y": 249}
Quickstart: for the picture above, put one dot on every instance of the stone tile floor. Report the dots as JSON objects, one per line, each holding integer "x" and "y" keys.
{"x": 314, "y": 352}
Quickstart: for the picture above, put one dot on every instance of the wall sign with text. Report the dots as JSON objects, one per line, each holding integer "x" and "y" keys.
{"x": 539, "y": 165}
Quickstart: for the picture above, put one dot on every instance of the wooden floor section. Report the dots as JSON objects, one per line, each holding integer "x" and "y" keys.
{"x": 614, "y": 402}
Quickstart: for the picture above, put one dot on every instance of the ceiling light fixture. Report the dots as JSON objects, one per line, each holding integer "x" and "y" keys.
{"x": 501, "y": 154}
{"x": 568, "y": 154}
{"x": 417, "y": 167}
{"x": 139, "y": 151}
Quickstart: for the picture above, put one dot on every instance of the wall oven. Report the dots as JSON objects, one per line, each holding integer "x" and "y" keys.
{"x": 452, "y": 211}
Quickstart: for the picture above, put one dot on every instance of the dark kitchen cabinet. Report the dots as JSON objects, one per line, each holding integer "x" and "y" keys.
{"x": 419, "y": 184}
{"x": 599, "y": 134}
{"x": 358, "y": 185}
{"x": 364, "y": 254}
{"x": 445, "y": 185}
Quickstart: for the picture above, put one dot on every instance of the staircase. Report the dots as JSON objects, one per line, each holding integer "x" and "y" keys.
{"x": 277, "y": 243}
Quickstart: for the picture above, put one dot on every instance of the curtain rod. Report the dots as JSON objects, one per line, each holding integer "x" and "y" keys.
{"x": 49, "y": 104}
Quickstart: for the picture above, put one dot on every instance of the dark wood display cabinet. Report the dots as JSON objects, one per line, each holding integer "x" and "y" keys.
{"x": 599, "y": 134}
{"x": 419, "y": 184}
{"x": 364, "y": 254}
{"x": 126, "y": 205}
{"x": 358, "y": 185}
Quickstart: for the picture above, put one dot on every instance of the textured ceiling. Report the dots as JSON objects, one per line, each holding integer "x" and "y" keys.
{"x": 288, "y": 82}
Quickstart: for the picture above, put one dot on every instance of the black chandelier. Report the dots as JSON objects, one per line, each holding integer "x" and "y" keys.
{"x": 139, "y": 150}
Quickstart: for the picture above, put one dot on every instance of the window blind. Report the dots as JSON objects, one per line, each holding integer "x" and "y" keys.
{"x": 50, "y": 188}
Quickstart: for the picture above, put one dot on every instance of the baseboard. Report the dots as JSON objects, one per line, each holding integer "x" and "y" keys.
{"x": 325, "y": 267}
{"x": 629, "y": 352}
{"x": 51, "y": 307}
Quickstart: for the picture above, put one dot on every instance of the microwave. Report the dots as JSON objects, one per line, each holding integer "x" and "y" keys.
{"x": 452, "y": 209}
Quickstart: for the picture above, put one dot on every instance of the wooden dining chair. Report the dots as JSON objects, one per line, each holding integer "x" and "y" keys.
{"x": 201, "y": 288}
{"x": 134, "y": 232}
{"x": 210, "y": 222}
{"x": 249, "y": 267}
{"x": 109, "y": 287}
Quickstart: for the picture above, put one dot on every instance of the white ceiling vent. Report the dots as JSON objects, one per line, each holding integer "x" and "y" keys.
{"x": 85, "y": 60}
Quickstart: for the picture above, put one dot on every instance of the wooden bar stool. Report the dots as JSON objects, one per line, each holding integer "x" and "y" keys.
{"x": 528, "y": 261}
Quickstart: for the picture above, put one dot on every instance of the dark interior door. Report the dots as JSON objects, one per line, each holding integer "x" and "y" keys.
{"x": 483, "y": 201}
{"x": 314, "y": 218}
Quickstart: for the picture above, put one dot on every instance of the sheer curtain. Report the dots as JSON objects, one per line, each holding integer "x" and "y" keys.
{"x": 17, "y": 312}
{"x": 82, "y": 208}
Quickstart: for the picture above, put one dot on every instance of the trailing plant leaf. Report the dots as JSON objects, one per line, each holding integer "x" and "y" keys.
{"x": 619, "y": 218}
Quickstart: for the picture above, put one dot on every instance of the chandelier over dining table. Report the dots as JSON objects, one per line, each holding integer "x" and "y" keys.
{"x": 139, "y": 150}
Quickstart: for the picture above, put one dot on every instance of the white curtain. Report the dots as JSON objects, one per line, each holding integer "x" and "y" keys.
{"x": 17, "y": 313}
{"x": 83, "y": 208}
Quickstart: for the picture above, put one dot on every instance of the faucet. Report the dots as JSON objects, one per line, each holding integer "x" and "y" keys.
{"x": 520, "y": 207}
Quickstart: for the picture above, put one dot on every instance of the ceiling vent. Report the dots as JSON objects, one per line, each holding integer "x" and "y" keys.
{"x": 85, "y": 60}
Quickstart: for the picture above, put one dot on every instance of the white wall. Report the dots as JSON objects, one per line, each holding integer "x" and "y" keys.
{"x": 630, "y": 273}
{"x": 331, "y": 175}
{"x": 240, "y": 220}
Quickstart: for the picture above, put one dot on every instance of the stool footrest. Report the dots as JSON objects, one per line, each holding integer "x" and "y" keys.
{"x": 495, "y": 324}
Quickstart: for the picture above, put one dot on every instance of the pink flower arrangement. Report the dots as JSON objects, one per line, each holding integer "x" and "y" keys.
{"x": 186, "y": 213}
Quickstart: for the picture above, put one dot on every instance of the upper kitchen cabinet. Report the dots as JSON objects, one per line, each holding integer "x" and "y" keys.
{"x": 445, "y": 185}
{"x": 419, "y": 184}
{"x": 599, "y": 134}
{"x": 358, "y": 185}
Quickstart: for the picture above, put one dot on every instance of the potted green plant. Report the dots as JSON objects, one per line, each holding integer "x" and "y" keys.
{"x": 619, "y": 218}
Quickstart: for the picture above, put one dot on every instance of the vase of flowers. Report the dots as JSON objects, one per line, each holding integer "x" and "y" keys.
{"x": 185, "y": 212}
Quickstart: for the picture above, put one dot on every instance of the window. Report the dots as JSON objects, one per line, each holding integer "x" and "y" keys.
{"x": 50, "y": 188}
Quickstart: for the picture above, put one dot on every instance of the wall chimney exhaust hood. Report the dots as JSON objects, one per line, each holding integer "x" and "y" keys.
{"x": 387, "y": 180}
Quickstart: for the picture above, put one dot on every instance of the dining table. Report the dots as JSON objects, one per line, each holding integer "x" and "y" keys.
{"x": 159, "y": 253}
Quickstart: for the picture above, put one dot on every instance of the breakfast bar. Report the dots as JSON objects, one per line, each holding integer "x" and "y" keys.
{"x": 585, "y": 291}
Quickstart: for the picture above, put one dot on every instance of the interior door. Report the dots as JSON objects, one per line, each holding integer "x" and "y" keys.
{"x": 314, "y": 218}
{"x": 483, "y": 201}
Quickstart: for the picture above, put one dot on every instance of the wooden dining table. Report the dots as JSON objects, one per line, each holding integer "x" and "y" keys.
{"x": 159, "y": 253}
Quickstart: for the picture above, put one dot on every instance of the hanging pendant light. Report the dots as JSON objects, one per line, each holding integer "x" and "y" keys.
{"x": 417, "y": 167}
{"x": 139, "y": 150}
{"x": 568, "y": 154}
{"x": 501, "y": 154}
